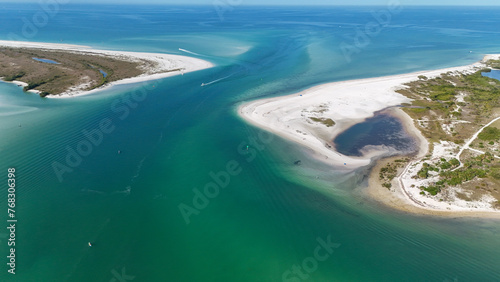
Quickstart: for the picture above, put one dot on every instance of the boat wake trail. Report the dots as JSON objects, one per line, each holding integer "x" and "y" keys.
{"x": 217, "y": 80}
{"x": 193, "y": 53}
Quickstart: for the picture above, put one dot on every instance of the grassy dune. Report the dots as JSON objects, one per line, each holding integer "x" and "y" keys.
{"x": 74, "y": 69}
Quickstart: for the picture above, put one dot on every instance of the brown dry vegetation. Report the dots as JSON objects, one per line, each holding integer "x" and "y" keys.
{"x": 74, "y": 69}
{"x": 466, "y": 103}
{"x": 437, "y": 102}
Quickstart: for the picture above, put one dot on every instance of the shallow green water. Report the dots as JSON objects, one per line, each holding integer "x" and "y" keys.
{"x": 272, "y": 214}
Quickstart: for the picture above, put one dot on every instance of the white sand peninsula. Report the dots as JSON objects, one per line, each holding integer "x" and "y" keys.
{"x": 296, "y": 116}
{"x": 161, "y": 64}
{"x": 303, "y": 118}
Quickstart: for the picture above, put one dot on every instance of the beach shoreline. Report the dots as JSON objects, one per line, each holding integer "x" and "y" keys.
{"x": 348, "y": 103}
{"x": 165, "y": 63}
{"x": 398, "y": 198}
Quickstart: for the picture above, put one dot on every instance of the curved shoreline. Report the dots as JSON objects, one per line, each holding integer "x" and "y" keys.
{"x": 348, "y": 103}
{"x": 166, "y": 64}
{"x": 399, "y": 198}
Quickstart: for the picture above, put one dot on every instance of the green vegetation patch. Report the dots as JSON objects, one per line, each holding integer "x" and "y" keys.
{"x": 476, "y": 167}
{"x": 390, "y": 171}
{"x": 432, "y": 189}
{"x": 494, "y": 64}
{"x": 14, "y": 76}
{"x": 468, "y": 97}
{"x": 462, "y": 102}
{"x": 326, "y": 121}
{"x": 489, "y": 134}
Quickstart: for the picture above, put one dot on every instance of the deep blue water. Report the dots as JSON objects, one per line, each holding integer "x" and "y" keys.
{"x": 45, "y": 61}
{"x": 380, "y": 130}
{"x": 272, "y": 215}
{"x": 104, "y": 74}
{"x": 492, "y": 74}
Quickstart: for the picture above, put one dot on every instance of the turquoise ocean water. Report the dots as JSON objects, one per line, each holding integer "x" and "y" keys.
{"x": 266, "y": 220}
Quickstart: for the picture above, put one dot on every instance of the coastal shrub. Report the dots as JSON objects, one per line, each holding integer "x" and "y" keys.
{"x": 387, "y": 185}
{"x": 326, "y": 121}
{"x": 495, "y": 173}
{"x": 31, "y": 85}
{"x": 444, "y": 96}
{"x": 454, "y": 162}
{"x": 389, "y": 172}
{"x": 454, "y": 181}
{"x": 442, "y": 91}
{"x": 417, "y": 110}
{"x": 438, "y": 95}
{"x": 423, "y": 173}
{"x": 481, "y": 94}
{"x": 489, "y": 134}
{"x": 433, "y": 190}
{"x": 459, "y": 176}
{"x": 494, "y": 64}
{"x": 14, "y": 76}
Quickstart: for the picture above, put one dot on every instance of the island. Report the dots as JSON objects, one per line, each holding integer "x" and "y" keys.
{"x": 453, "y": 114}
{"x": 63, "y": 70}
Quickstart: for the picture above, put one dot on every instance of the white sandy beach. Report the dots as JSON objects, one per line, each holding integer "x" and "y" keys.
{"x": 23, "y": 84}
{"x": 348, "y": 103}
{"x": 163, "y": 63}
{"x": 405, "y": 198}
